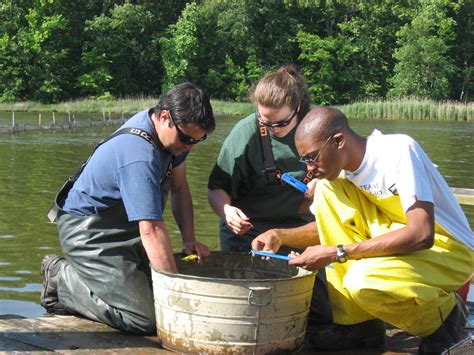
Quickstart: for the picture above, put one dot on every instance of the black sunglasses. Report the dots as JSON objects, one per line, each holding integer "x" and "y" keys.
{"x": 282, "y": 123}
{"x": 183, "y": 137}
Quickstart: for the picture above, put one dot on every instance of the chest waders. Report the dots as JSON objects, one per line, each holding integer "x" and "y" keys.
{"x": 107, "y": 276}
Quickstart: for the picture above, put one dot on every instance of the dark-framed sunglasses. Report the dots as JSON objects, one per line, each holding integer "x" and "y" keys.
{"x": 282, "y": 123}
{"x": 183, "y": 137}
{"x": 307, "y": 160}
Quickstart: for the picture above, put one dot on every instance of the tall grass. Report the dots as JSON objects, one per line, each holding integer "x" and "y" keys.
{"x": 410, "y": 109}
{"x": 126, "y": 106}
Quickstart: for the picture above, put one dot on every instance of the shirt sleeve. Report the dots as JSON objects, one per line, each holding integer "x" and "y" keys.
{"x": 413, "y": 178}
{"x": 139, "y": 185}
{"x": 226, "y": 174}
{"x": 223, "y": 174}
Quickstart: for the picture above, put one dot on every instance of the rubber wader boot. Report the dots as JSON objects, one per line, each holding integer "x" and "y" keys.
{"x": 447, "y": 334}
{"x": 51, "y": 266}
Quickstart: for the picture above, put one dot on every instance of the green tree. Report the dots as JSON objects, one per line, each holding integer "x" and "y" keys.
{"x": 181, "y": 47}
{"x": 369, "y": 39}
{"x": 32, "y": 56}
{"x": 423, "y": 64}
{"x": 120, "y": 57}
{"x": 320, "y": 61}
{"x": 11, "y": 20}
{"x": 463, "y": 52}
{"x": 226, "y": 45}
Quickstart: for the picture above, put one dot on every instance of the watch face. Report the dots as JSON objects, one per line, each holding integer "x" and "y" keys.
{"x": 342, "y": 259}
{"x": 341, "y": 256}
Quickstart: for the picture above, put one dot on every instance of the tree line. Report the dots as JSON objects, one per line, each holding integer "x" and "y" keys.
{"x": 57, "y": 50}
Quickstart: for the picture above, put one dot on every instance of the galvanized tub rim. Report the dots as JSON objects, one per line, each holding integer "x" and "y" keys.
{"x": 301, "y": 272}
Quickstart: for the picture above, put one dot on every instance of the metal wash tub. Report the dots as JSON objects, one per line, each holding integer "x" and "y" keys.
{"x": 232, "y": 303}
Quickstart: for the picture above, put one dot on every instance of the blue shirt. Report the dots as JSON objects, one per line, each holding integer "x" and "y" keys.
{"x": 126, "y": 168}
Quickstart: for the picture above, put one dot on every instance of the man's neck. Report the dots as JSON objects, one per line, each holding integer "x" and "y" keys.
{"x": 155, "y": 122}
{"x": 358, "y": 148}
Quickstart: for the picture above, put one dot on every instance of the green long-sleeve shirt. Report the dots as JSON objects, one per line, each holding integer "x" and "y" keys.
{"x": 239, "y": 172}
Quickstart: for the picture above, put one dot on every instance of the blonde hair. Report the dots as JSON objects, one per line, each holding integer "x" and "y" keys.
{"x": 284, "y": 87}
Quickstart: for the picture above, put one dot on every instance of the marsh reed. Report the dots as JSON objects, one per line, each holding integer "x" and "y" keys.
{"x": 410, "y": 110}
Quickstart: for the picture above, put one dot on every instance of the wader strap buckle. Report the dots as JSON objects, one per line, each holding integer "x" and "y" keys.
{"x": 269, "y": 168}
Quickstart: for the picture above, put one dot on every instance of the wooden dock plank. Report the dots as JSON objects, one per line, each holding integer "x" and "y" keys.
{"x": 8, "y": 345}
{"x": 464, "y": 196}
{"x": 69, "y": 333}
{"x": 73, "y": 334}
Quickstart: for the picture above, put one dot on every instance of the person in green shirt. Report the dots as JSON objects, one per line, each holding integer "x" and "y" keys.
{"x": 245, "y": 189}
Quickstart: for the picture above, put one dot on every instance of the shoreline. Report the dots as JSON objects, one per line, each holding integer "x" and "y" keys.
{"x": 407, "y": 109}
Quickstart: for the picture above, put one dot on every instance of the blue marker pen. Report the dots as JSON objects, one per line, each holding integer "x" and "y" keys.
{"x": 271, "y": 255}
{"x": 290, "y": 180}
{"x": 277, "y": 256}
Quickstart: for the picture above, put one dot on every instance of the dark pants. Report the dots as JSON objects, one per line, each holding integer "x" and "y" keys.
{"x": 107, "y": 275}
{"x": 320, "y": 309}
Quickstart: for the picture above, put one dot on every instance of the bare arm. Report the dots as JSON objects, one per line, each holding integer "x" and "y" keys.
{"x": 218, "y": 199}
{"x": 235, "y": 218}
{"x": 157, "y": 244}
{"x": 183, "y": 212}
{"x": 181, "y": 202}
{"x": 298, "y": 238}
{"x": 418, "y": 234}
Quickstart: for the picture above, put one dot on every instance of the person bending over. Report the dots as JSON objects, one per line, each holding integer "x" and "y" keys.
{"x": 110, "y": 221}
{"x": 386, "y": 219}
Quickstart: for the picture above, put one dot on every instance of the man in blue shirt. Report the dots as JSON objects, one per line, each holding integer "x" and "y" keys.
{"x": 110, "y": 221}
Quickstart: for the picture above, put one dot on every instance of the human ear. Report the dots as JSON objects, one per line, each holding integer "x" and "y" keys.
{"x": 339, "y": 140}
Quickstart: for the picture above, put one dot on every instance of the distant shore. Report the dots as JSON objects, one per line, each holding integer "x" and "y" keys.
{"x": 408, "y": 109}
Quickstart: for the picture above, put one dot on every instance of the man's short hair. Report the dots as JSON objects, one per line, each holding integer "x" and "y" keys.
{"x": 188, "y": 103}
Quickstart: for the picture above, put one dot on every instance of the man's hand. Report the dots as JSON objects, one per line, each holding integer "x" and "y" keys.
{"x": 315, "y": 257}
{"x": 236, "y": 220}
{"x": 304, "y": 206}
{"x": 194, "y": 247}
{"x": 311, "y": 187}
{"x": 267, "y": 241}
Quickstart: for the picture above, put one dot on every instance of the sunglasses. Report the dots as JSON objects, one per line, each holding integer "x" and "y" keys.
{"x": 307, "y": 160}
{"x": 183, "y": 137}
{"x": 282, "y": 123}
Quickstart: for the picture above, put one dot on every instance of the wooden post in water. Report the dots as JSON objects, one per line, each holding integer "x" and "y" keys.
{"x": 69, "y": 118}
{"x": 54, "y": 119}
{"x": 14, "y": 124}
{"x": 39, "y": 120}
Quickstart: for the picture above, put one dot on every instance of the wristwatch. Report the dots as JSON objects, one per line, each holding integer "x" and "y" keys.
{"x": 341, "y": 256}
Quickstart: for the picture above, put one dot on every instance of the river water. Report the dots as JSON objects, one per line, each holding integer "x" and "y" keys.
{"x": 34, "y": 164}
